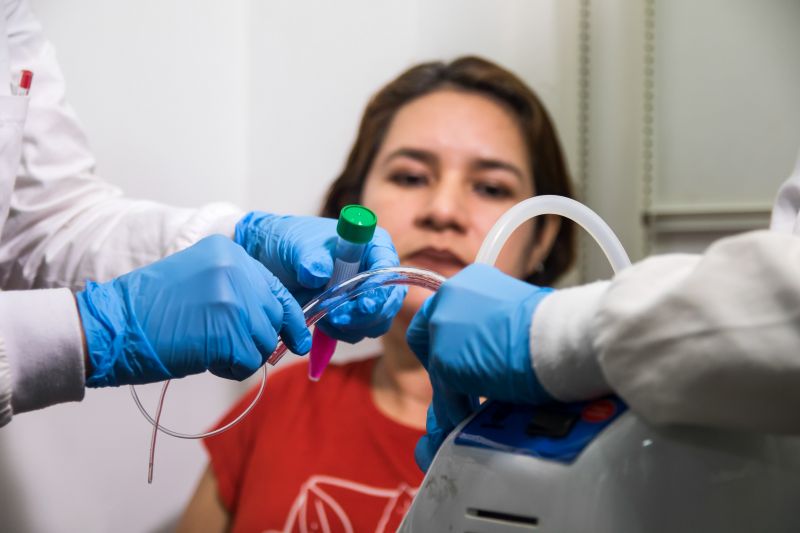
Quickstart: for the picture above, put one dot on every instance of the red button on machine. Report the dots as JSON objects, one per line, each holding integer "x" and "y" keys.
{"x": 598, "y": 411}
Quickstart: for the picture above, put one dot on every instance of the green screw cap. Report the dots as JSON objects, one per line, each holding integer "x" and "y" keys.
{"x": 356, "y": 224}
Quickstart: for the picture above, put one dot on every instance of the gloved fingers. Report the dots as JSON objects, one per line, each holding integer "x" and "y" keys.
{"x": 370, "y": 302}
{"x": 295, "y": 333}
{"x": 429, "y": 444}
{"x": 297, "y": 250}
{"x": 355, "y": 320}
{"x": 253, "y": 352}
{"x": 303, "y": 296}
{"x": 438, "y": 426}
{"x": 291, "y": 323}
{"x": 369, "y": 308}
{"x": 247, "y": 232}
{"x": 450, "y": 406}
{"x": 440, "y": 423}
{"x": 253, "y": 339}
{"x": 417, "y": 334}
{"x": 375, "y": 310}
{"x": 336, "y": 332}
{"x": 388, "y": 302}
{"x": 313, "y": 262}
{"x": 382, "y": 303}
{"x": 380, "y": 252}
{"x": 426, "y": 449}
{"x": 306, "y": 249}
{"x": 241, "y": 367}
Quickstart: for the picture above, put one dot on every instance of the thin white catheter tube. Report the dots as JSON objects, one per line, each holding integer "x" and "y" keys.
{"x": 314, "y": 311}
{"x": 549, "y": 204}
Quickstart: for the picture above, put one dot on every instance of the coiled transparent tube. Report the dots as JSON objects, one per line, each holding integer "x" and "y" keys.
{"x": 314, "y": 311}
{"x": 549, "y": 204}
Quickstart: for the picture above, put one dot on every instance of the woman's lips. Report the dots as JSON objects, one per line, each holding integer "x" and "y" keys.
{"x": 444, "y": 262}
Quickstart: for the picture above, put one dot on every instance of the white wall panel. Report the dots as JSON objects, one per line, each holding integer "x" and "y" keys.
{"x": 728, "y": 111}
{"x": 314, "y": 64}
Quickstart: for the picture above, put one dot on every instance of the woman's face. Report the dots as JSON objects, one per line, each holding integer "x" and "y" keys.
{"x": 451, "y": 164}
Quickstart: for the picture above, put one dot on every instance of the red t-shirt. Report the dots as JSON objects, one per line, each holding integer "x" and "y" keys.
{"x": 316, "y": 456}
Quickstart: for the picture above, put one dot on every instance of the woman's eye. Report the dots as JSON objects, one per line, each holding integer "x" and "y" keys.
{"x": 406, "y": 179}
{"x": 493, "y": 191}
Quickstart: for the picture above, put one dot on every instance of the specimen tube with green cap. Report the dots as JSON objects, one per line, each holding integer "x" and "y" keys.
{"x": 355, "y": 229}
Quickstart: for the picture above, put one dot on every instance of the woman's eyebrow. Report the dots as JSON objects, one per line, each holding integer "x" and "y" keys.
{"x": 496, "y": 164}
{"x": 423, "y": 156}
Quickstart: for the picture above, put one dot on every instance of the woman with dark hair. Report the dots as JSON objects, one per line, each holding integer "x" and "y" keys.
{"x": 547, "y": 167}
{"x": 441, "y": 153}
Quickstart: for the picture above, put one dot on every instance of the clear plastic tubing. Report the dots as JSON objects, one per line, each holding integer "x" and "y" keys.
{"x": 553, "y": 205}
{"x": 315, "y": 310}
{"x": 372, "y": 279}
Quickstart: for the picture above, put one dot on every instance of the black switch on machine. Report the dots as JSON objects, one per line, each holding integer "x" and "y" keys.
{"x": 551, "y": 422}
{"x": 499, "y": 414}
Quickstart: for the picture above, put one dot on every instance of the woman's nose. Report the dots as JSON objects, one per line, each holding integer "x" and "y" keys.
{"x": 445, "y": 209}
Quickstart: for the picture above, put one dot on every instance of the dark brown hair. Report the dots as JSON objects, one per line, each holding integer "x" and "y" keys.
{"x": 474, "y": 74}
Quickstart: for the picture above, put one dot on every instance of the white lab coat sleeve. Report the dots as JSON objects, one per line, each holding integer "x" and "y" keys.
{"x": 563, "y": 355}
{"x": 5, "y": 385}
{"x": 709, "y": 340}
{"x": 705, "y": 340}
{"x": 43, "y": 351}
{"x": 785, "y": 212}
{"x": 65, "y": 224}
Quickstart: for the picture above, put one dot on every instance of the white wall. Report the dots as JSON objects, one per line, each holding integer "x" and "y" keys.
{"x": 161, "y": 88}
{"x": 727, "y": 128}
{"x": 189, "y": 101}
{"x": 723, "y": 112}
{"x": 314, "y": 64}
{"x": 728, "y": 116}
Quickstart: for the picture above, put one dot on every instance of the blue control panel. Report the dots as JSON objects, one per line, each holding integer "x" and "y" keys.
{"x": 558, "y": 432}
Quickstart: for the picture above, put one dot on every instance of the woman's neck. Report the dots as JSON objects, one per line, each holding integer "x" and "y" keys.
{"x": 400, "y": 386}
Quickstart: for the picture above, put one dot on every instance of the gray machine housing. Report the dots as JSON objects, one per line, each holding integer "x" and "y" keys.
{"x": 632, "y": 477}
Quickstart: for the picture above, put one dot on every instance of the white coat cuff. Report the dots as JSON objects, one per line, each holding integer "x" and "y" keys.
{"x": 561, "y": 347}
{"x": 5, "y": 385}
{"x": 211, "y": 219}
{"x": 44, "y": 345}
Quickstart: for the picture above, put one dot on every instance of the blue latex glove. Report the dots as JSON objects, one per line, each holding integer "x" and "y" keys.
{"x": 473, "y": 336}
{"x": 210, "y": 306}
{"x": 299, "y": 251}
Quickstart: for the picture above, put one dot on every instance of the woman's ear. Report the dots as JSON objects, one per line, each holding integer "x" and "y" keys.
{"x": 545, "y": 237}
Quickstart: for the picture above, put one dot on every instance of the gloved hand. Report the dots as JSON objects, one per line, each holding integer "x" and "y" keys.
{"x": 299, "y": 251}
{"x": 210, "y": 306}
{"x": 473, "y": 336}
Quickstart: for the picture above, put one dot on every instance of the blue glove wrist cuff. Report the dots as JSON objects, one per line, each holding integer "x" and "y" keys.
{"x": 532, "y": 390}
{"x": 250, "y": 234}
{"x": 118, "y": 350}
